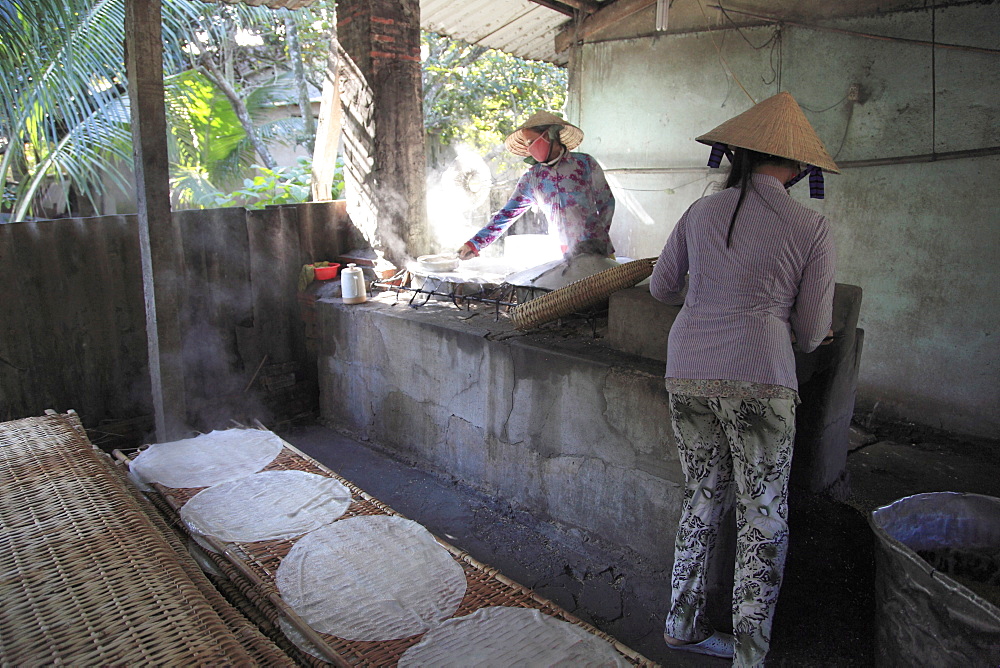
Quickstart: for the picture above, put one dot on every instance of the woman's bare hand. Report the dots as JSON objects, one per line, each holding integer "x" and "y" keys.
{"x": 467, "y": 251}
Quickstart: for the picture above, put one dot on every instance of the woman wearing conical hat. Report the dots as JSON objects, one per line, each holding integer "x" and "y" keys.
{"x": 760, "y": 276}
{"x": 568, "y": 187}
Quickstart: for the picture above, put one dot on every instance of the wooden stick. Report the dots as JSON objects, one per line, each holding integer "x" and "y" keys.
{"x": 259, "y": 367}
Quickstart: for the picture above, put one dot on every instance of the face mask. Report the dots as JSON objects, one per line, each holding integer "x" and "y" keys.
{"x": 539, "y": 149}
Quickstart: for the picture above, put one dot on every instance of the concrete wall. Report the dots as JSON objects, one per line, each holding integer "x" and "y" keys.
{"x": 920, "y": 238}
{"x": 576, "y": 434}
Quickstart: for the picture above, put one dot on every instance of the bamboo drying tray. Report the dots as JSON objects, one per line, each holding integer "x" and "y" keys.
{"x": 580, "y": 295}
{"x": 251, "y": 567}
{"x": 88, "y": 576}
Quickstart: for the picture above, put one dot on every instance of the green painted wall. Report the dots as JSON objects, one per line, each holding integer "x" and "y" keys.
{"x": 921, "y": 239}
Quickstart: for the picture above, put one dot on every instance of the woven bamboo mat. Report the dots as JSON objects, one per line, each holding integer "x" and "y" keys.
{"x": 580, "y": 295}
{"x": 251, "y": 567}
{"x": 88, "y": 578}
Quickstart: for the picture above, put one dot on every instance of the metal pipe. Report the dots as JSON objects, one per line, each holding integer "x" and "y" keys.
{"x": 855, "y": 33}
{"x": 872, "y": 162}
{"x": 656, "y": 170}
{"x": 925, "y": 157}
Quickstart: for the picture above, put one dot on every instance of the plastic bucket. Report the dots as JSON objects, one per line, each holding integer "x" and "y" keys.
{"x": 926, "y": 615}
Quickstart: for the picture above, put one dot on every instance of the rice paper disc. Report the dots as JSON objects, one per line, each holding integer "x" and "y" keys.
{"x": 207, "y": 459}
{"x": 371, "y": 578}
{"x": 269, "y": 505}
{"x": 500, "y": 637}
{"x": 299, "y": 640}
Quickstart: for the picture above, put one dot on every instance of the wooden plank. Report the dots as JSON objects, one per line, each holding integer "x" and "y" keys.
{"x": 71, "y": 335}
{"x": 326, "y": 231}
{"x": 117, "y": 278}
{"x": 21, "y": 291}
{"x": 556, "y": 7}
{"x": 585, "y": 6}
{"x": 217, "y": 302}
{"x": 275, "y": 262}
{"x": 159, "y": 236}
{"x": 610, "y": 14}
{"x": 328, "y": 128}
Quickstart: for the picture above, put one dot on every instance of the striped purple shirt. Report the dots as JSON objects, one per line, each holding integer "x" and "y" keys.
{"x": 744, "y": 302}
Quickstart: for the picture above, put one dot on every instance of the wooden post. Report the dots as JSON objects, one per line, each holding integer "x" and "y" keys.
{"x": 159, "y": 234}
{"x": 385, "y": 168}
{"x": 328, "y": 129}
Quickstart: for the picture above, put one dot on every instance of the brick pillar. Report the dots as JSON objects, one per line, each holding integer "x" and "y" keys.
{"x": 383, "y": 123}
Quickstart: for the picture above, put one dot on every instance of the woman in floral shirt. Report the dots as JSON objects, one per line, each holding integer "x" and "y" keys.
{"x": 568, "y": 187}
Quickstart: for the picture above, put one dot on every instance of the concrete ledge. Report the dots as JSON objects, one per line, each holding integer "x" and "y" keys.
{"x": 568, "y": 429}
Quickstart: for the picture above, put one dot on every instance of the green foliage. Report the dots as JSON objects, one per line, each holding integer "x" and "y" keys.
{"x": 64, "y": 108}
{"x": 208, "y": 148}
{"x": 479, "y": 96}
{"x": 285, "y": 185}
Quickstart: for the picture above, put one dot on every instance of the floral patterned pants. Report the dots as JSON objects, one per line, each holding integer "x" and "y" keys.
{"x": 722, "y": 441}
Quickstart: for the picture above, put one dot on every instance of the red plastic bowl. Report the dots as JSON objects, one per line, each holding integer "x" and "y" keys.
{"x": 326, "y": 273}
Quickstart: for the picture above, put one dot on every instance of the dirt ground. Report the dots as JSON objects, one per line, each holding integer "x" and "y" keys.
{"x": 826, "y": 611}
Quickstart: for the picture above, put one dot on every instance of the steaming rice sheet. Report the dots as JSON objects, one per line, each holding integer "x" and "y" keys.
{"x": 269, "y": 505}
{"x": 371, "y": 578}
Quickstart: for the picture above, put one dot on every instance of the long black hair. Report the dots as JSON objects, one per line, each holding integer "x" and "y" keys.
{"x": 744, "y": 163}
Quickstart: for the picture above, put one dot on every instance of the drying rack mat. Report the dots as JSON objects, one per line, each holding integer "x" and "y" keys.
{"x": 251, "y": 566}
{"x": 207, "y": 459}
{"x": 88, "y": 578}
{"x": 266, "y": 506}
{"x": 497, "y": 637}
{"x": 399, "y": 581}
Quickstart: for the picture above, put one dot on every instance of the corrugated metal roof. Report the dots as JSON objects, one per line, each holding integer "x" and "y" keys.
{"x": 520, "y": 27}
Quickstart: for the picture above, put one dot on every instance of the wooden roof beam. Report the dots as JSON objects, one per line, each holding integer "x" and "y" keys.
{"x": 567, "y": 6}
{"x": 608, "y": 14}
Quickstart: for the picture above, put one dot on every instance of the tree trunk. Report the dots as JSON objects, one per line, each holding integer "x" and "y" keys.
{"x": 295, "y": 55}
{"x": 211, "y": 71}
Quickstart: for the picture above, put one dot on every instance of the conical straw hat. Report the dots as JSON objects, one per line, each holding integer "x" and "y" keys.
{"x": 775, "y": 126}
{"x": 569, "y": 135}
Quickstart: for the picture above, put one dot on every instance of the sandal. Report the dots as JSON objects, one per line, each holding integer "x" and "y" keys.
{"x": 722, "y": 645}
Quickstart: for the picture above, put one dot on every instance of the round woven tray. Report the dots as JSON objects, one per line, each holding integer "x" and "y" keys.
{"x": 581, "y": 294}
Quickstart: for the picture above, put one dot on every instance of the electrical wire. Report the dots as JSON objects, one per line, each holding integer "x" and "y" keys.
{"x": 722, "y": 58}
{"x": 774, "y": 41}
{"x": 820, "y": 111}
{"x": 847, "y": 126}
{"x": 740, "y": 32}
